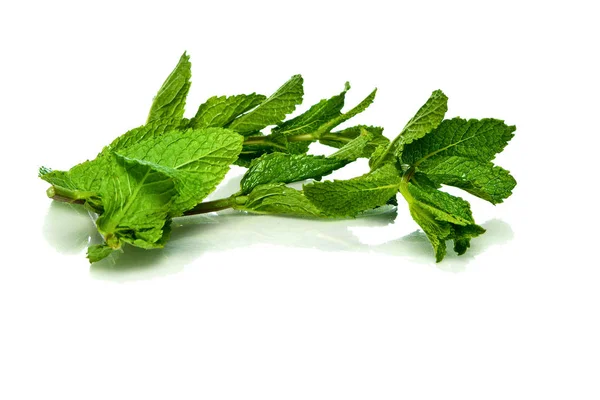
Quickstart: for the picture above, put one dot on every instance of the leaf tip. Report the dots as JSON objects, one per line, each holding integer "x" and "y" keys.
{"x": 439, "y": 93}
{"x": 43, "y": 171}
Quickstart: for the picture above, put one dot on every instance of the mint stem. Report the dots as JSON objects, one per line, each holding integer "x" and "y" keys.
{"x": 262, "y": 141}
{"x": 302, "y": 138}
{"x": 305, "y": 137}
{"x": 63, "y": 199}
{"x": 212, "y": 206}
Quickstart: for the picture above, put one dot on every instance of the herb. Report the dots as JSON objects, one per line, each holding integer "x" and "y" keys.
{"x": 166, "y": 167}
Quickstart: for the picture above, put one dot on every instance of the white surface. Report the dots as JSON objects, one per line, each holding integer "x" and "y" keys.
{"x": 244, "y": 307}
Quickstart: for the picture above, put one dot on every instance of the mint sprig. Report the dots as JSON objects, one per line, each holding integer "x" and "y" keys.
{"x": 166, "y": 167}
{"x": 427, "y": 153}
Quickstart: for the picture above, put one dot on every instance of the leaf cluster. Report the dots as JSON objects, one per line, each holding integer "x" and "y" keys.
{"x": 165, "y": 168}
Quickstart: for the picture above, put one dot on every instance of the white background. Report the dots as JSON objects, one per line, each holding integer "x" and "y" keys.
{"x": 244, "y": 307}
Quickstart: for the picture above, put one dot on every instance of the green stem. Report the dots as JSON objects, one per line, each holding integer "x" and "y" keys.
{"x": 302, "y": 138}
{"x": 266, "y": 141}
{"x": 71, "y": 196}
{"x": 406, "y": 177}
{"x": 336, "y": 137}
{"x": 262, "y": 141}
{"x": 212, "y": 206}
{"x": 54, "y": 195}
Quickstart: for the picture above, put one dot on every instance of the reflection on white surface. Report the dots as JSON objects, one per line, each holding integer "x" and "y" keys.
{"x": 69, "y": 229}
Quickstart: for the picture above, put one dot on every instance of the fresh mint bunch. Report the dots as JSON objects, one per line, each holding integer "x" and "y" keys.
{"x": 166, "y": 167}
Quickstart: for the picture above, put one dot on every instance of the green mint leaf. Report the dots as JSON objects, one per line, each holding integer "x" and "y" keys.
{"x": 83, "y": 181}
{"x": 169, "y": 102}
{"x": 197, "y": 159}
{"x": 276, "y": 198}
{"x": 482, "y": 179}
{"x": 347, "y": 198}
{"x": 220, "y": 111}
{"x": 478, "y": 140}
{"x": 317, "y": 115}
{"x": 273, "y": 110}
{"x": 429, "y": 116}
{"x": 286, "y": 168}
{"x": 441, "y": 216}
{"x": 137, "y": 197}
{"x": 341, "y": 138}
{"x": 98, "y": 252}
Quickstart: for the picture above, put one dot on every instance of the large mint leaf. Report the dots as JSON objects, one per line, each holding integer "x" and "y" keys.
{"x": 169, "y": 102}
{"x": 286, "y": 168}
{"x": 344, "y": 198}
{"x": 83, "y": 181}
{"x": 478, "y": 140}
{"x": 220, "y": 111}
{"x": 429, "y": 116}
{"x": 137, "y": 197}
{"x": 273, "y": 110}
{"x": 276, "y": 198}
{"x": 482, "y": 179}
{"x": 197, "y": 159}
